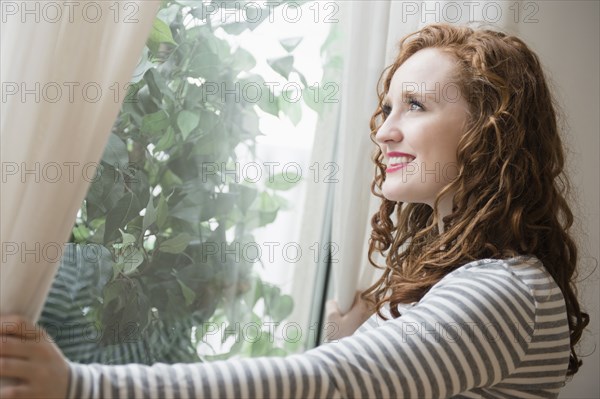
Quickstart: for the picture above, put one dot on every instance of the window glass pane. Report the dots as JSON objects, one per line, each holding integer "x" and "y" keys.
{"x": 185, "y": 245}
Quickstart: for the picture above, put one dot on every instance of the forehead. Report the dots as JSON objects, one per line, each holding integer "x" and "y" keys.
{"x": 424, "y": 70}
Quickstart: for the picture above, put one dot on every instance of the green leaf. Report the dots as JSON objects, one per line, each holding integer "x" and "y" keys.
{"x": 162, "y": 211}
{"x": 170, "y": 179}
{"x": 263, "y": 345}
{"x": 134, "y": 226}
{"x": 117, "y": 269}
{"x": 187, "y": 121}
{"x": 155, "y": 122}
{"x": 166, "y": 140}
{"x": 302, "y": 77}
{"x": 263, "y": 211}
{"x": 131, "y": 258}
{"x": 144, "y": 104}
{"x": 313, "y": 97}
{"x": 244, "y": 60}
{"x": 244, "y": 195}
{"x": 283, "y": 181}
{"x": 188, "y": 209}
{"x": 114, "y": 290}
{"x": 144, "y": 64}
{"x": 188, "y": 294}
{"x": 269, "y": 102}
{"x": 281, "y": 201}
{"x": 282, "y": 307}
{"x": 283, "y": 65}
{"x": 156, "y": 84}
{"x": 126, "y": 209}
{"x": 80, "y": 233}
{"x": 270, "y": 293}
{"x": 246, "y": 124}
{"x": 235, "y": 28}
{"x": 115, "y": 153}
{"x": 161, "y": 33}
{"x": 150, "y": 215}
{"x": 176, "y": 245}
{"x": 169, "y": 14}
{"x": 292, "y": 110}
{"x": 206, "y": 64}
{"x": 127, "y": 238}
{"x": 209, "y": 121}
{"x": 335, "y": 64}
{"x": 255, "y": 17}
{"x": 291, "y": 43}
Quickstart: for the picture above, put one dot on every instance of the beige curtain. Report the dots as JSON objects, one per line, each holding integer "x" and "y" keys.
{"x": 64, "y": 72}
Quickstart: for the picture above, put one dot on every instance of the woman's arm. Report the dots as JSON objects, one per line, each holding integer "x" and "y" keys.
{"x": 458, "y": 337}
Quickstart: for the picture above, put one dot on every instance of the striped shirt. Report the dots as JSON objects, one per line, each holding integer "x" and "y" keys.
{"x": 492, "y": 328}
{"x": 83, "y": 271}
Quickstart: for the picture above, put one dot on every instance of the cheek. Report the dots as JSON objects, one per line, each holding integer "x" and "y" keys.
{"x": 444, "y": 162}
{"x": 436, "y": 148}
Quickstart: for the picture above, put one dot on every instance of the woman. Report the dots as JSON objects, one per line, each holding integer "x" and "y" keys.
{"x": 480, "y": 301}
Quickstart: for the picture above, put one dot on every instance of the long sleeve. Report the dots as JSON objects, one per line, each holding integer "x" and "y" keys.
{"x": 80, "y": 272}
{"x": 473, "y": 329}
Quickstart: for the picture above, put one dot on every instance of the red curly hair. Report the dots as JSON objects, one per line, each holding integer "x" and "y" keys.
{"x": 511, "y": 173}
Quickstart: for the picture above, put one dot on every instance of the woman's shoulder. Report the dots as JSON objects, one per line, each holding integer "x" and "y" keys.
{"x": 524, "y": 271}
{"x": 521, "y": 278}
{"x": 511, "y": 264}
{"x": 500, "y": 281}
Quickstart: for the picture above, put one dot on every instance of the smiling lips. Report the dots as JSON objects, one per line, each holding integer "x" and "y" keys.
{"x": 398, "y": 160}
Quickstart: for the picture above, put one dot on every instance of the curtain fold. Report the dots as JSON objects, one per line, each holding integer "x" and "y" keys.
{"x": 63, "y": 81}
{"x": 364, "y": 57}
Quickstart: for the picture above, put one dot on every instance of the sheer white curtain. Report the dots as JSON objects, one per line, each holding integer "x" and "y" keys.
{"x": 64, "y": 74}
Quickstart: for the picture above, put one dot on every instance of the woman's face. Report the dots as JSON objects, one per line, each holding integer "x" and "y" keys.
{"x": 425, "y": 119}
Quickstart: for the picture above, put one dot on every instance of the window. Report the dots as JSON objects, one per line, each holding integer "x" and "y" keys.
{"x": 185, "y": 246}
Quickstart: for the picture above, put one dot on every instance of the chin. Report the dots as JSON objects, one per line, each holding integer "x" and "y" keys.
{"x": 399, "y": 194}
{"x": 392, "y": 195}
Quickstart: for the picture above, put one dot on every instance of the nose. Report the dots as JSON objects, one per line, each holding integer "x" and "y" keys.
{"x": 388, "y": 132}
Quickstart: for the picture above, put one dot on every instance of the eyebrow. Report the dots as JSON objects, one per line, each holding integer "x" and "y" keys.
{"x": 404, "y": 93}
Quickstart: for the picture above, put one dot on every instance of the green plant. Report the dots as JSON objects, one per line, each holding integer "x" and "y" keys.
{"x": 155, "y": 206}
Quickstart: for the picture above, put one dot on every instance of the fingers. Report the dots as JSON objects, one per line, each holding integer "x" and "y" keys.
{"x": 20, "y": 338}
{"x": 15, "y": 392}
{"x": 17, "y": 325}
{"x": 15, "y": 368}
{"x": 11, "y": 346}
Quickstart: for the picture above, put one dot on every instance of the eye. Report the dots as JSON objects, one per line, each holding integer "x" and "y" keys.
{"x": 412, "y": 102}
{"x": 386, "y": 110}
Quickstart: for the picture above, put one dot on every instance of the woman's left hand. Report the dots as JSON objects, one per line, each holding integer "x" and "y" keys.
{"x": 29, "y": 355}
{"x": 345, "y": 324}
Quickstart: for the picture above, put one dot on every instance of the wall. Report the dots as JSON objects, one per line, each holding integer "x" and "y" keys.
{"x": 566, "y": 37}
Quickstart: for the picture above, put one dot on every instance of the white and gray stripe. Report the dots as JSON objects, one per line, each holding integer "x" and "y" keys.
{"x": 82, "y": 269}
{"x": 491, "y": 328}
